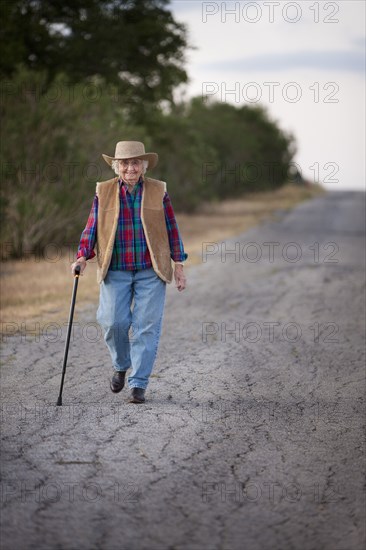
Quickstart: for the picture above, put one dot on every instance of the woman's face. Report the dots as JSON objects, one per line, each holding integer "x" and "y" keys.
{"x": 130, "y": 170}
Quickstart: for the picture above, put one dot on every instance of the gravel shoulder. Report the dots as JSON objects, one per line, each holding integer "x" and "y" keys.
{"x": 252, "y": 433}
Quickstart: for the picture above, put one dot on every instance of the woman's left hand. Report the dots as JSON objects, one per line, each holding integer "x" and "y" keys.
{"x": 180, "y": 279}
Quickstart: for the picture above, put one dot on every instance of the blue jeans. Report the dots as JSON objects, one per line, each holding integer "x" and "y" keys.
{"x": 130, "y": 311}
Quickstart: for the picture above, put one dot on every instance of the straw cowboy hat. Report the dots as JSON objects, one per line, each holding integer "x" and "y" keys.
{"x": 132, "y": 150}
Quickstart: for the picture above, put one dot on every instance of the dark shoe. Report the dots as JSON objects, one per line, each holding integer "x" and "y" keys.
{"x": 118, "y": 381}
{"x": 137, "y": 395}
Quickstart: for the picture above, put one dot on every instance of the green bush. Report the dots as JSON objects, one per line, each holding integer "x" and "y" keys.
{"x": 53, "y": 137}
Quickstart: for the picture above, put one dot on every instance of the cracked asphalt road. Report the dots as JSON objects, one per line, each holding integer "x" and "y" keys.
{"x": 252, "y": 433}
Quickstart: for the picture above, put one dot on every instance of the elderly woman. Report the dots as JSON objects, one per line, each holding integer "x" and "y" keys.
{"x": 133, "y": 226}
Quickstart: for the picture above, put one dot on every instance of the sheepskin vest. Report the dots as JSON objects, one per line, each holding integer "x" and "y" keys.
{"x": 153, "y": 223}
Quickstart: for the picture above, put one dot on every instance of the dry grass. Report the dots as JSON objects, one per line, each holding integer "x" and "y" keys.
{"x": 39, "y": 291}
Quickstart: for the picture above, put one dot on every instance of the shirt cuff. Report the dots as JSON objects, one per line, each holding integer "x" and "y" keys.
{"x": 84, "y": 252}
{"x": 181, "y": 257}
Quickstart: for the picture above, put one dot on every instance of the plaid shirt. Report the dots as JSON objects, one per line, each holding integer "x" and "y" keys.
{"x": 130, "y": 249}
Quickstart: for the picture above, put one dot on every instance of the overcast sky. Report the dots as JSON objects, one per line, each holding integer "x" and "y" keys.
{"x": 304, "y": 60}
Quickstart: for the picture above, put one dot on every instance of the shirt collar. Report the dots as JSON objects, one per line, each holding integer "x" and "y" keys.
{"x": 138, "y": 184}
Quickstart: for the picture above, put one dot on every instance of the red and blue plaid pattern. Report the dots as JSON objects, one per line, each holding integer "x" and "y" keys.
{"x": 130, "y": 249}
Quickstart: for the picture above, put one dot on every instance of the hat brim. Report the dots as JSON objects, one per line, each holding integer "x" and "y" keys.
{"x": 152, "y": 159}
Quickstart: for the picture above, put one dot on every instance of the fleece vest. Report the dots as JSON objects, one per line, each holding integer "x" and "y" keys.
{"x": 153, "y": 223}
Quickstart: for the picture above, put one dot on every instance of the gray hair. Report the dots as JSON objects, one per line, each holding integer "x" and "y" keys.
{"x": 115, "y": 166}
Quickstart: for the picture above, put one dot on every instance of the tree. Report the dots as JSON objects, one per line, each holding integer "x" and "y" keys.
{"x": 135, "y": 44}
{"x": 253, "y": 153}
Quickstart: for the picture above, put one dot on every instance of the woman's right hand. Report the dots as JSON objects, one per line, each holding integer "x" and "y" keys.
{"x": 81, "y": 262}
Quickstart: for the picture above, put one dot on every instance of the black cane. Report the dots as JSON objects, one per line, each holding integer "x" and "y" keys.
{"x": 76, "y": 280}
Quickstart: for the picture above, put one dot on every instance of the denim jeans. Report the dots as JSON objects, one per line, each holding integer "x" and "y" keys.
{"x": 130, "y": 311}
